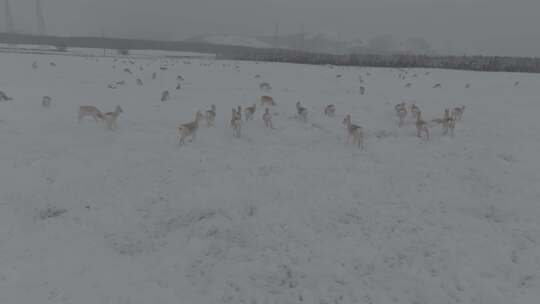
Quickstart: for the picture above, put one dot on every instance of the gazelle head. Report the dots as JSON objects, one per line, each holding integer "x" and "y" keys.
{"x": 119, "y": 109}
{"x": 213, "y": 108}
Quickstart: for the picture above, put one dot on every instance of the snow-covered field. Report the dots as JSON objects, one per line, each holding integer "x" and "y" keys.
{"x": 291, "y": 215}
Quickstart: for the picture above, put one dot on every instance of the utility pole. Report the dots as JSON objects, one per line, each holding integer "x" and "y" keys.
{"x": 42, "y": 30}
{"x": 9, "y": 18}
{"x": 302, "y": 37}
{"x": 276, "y": 36}
{"x": 103, "y": 41}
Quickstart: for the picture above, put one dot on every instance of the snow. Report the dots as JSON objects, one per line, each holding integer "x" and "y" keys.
{"x": 290, "y": 215}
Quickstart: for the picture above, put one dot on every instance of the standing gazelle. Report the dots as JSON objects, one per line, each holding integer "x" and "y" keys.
{"x": 421, "y": 126}
{"x": 189, "y": 129}
{"x": 301, "y": 112}
{"x": 330, "y": 110}
{"x": 449, "y": 123}
{"x": 354, "y": 131}
{"x": 210, "y": 116}
{"x": 415, "y": 110}
{"x": 110, "y": 117}
{"x": 250, "y": 111}
{"x": 401, "y": 112}
{"x": 267, "y": 118}
{"x": 236, "y": 122}
{"x": 457, "y": 112}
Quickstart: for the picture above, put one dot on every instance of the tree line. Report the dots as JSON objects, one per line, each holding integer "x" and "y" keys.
{"x": 474, "y": 63}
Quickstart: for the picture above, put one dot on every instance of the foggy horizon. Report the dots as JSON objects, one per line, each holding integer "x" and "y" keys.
{"x": 471, "y": 27}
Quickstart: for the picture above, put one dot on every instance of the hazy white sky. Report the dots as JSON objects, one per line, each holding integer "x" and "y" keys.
{"x": 497, "y": 27}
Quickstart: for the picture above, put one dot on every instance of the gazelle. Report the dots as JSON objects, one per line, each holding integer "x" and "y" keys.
{"x": 46, "y": 101}
{"x": 4, "y": 97}
{"x": 421, "y": 126}
{"x": 401, "y": 112}
{"x": 236, "y": 122}
{"x": 457, "y": 112}
{"x": 415, "y": 110}
{"x": 90, "y": 111}
{"x": 267, "y": 118}
{"x": 110, "y": 117}
{"x": 301, "y": 112}
{"x": 250, "y": 111}
{"x": 330, "y": 110}
{"x": 354, "y": 131}
{"x": 362, "y": 90}
{"x": 267, "y": 101}
{"x": 449, "y": 123}
{"x": 189, "y": 129}
{"x": 210, "y": 116}
{"x": 165, "y": 95}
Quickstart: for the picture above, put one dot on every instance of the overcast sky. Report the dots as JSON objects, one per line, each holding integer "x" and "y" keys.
{"x": 499, "y": 27}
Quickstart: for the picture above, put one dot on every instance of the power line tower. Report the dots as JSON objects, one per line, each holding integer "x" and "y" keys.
{"x": 9, "y": 18}
{"x": 42, "y": 30}
{"x": 276, "y": 36}
{"x": 302, "y": 37}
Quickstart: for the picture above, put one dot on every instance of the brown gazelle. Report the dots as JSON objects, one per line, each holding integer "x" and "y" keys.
{"x": 210, "y": 116}
{"x": 414, "y": 110}
{"x": 301, "y": 112}
{"x": 110, "y": 117}
{"x": 267, "y": 101}
{"x": 189, "y": 129}
{"x": 421, "y": 126}
{"x": 330, "y": 110}
{"x": 250, "y": 111}
{"x": 401, "y": 112}
{"x": 449, "y": 123}
{"x": 236, "y": 122}
{"x": 46, "y": 101}
{"x": 457, "y": 112}
{"x": 354, "y": 131}
{"x": 267, "y": 118}
{"x": 90, "y": 111}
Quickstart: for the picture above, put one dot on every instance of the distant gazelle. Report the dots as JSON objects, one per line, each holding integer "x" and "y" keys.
{"x": 111, "y": 117}
{"x": 189, "y": 129}
{"x": 354, "y": 131}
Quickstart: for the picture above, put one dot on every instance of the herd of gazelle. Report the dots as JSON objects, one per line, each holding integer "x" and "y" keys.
{"x": 448, "y": 121}
{"x": 354, "y": 132}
